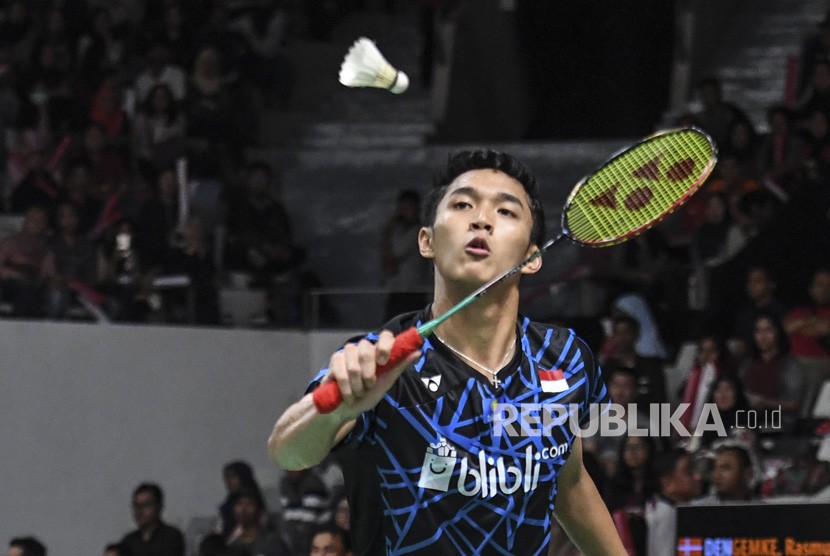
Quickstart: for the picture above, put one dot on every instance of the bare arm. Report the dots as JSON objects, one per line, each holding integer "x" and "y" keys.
{"x": 302, "y": 436}
{"x": 582, "y": 512}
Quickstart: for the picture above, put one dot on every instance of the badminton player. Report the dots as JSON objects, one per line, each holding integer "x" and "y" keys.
{"x": 435, "y": 466}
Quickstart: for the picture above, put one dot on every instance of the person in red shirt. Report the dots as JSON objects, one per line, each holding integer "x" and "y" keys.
{"x": 808, "y": 326}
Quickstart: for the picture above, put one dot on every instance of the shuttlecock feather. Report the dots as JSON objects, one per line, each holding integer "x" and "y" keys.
{"x": 365, "y": 66}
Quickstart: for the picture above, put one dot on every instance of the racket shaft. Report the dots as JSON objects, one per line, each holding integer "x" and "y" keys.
{"x": 327, "y": 396}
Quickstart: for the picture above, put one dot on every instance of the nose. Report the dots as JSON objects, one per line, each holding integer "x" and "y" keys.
{"x": 481, "y": 221}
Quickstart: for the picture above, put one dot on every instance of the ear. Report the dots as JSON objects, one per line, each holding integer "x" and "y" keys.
{"x": 535, "y": 265}
{"x": 425, "y": 243}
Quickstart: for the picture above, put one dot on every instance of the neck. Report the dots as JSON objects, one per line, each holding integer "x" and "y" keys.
{"x": 485, "y": 330}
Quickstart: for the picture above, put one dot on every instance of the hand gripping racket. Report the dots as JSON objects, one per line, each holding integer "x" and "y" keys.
{"x": 634, "y": 190}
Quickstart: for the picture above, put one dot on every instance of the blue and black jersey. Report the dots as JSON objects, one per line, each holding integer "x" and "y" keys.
{"x": 447, "y": 463}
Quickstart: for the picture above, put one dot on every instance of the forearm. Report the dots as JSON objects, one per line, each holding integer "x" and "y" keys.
{"x": 302, "y": 436}
{"x": 585, "y": 518}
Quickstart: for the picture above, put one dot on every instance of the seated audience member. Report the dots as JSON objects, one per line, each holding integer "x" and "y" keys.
{"x": 250, "y": 533}
{"x": 77, "y": 187}
{"x": 123, "y": 276}
{"x": 158, "y": 132}
{"x": 649, "y": 340}
{"x": 330, "y": 540}
{"x": 238, "y": 476}
{"x": 780, "y": 148}
{"x": 27, "y": 265}
{"x": 630, "y": 487}
{"x": 341, "y": 513}
{"x": 26, "y": 546}
{"x": 153, "y": 537}
{"x": 75, "y": 260}
{"x": 760, "y": 290}
{"x": 193, "y": 258}
{"x": 727, "y": 393}
{"x": 620, "y": 351}
{"x": 156, "y": 226}
{"x": 622, "y": 388}
{"x": 808, "y": 326}
{"x": 305, "y": 506}
{"x": 716, "y": 115}
{"x": 731, "y": 476}
{"x": 712, "y": 360}
{"x": 679, "y": 484}
{"x": 772, "y": 378}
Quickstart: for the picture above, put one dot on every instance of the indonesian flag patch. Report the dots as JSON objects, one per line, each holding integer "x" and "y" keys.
{"x": 553, "y": 381}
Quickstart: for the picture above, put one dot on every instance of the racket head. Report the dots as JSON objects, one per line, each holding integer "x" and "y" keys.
{"x": 638, "y": 187}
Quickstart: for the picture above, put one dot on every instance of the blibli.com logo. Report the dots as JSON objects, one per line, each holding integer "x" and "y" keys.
{"x": 491, "y": 477}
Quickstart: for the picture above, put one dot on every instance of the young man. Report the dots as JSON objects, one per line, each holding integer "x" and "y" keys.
{"x": 153, "y": 537}
{"x": 731, "y": 476}
{"x": 329, "y": 540}
{"x": 26, "y": 546}
{"x": 438, "y": 470}
{"x": 679, "y": 484}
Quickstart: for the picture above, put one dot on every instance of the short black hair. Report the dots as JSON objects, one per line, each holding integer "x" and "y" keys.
{"x": 665, "y": 464}
{"x": 29, "y": 545}
{"x": 152, "y": 488}
{"x": 464, "y": 161}
{"x": 334, "y": 531}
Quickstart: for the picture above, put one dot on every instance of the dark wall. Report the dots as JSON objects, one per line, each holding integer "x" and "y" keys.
{"x": 596, "y": 68}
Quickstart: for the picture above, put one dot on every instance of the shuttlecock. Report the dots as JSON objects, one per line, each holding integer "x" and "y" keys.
{"x": 365, "y": 66}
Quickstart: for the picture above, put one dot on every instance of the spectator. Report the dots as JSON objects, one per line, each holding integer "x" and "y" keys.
{"x": 116, "y": 549}
{"x": 330, "y": 541}
{"x": 630, "y": 487}
{"x": 808, "y": 326}
{"x": 100, "y": 50}
{"x": 214, "y": 545}
{"x": 194, "y": 258}
{"x": 26, "y": 546}
{"x": 173, "y": 32}
{"x": 77, "y": 185}
{"x": 727, "y": 393}
{"x": 816, "y": 96}
{"x": 37, "y": 188}
{"x": 107, "y": 112}
{"x": 761, "y": 289}
{"x": 816, "y": 47}
{"x": 249, "y": 510}
{"x": 341, "y": 514}
{"x": 716, "y": 115}
{"x": 157, "y": 227}
{"x": 403, "y": 265}
{"x": 712, "y": 360}
{"x": 124, "y": 278}
{"x": 814, "y": 155}
{"x": 772, "y": 378}
{"x": 76, "y": 260}
{"x": 305, "y": 506}
{"x": 732, "y": 476}
{"x": 709, "y": 241}
{"x": 153, "y": 537}
{"x": 620, "y": 351}
{"x": 679, "y": 484}
{"x": 160, "y": 71}
{"x": 27, "y": 265}
{"x": 779, "y": 149}
{"x": 158, "y": 133}
{"x": 238, "y": 476}
{"x": 742, "y": 144}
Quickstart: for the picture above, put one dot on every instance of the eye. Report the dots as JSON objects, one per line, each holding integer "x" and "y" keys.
{"x": 460, "y": 205}
{"x": 507, "y": 212}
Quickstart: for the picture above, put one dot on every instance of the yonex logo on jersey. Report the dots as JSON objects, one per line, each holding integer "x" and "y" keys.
{"x": 492, "y": 475}
{"x": 431, "y": 382}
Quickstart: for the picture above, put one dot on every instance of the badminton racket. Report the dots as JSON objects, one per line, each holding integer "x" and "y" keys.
{"x": 634, "y": 190}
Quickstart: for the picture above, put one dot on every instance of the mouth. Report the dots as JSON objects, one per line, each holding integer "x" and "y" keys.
{"x": 477, "y": 247}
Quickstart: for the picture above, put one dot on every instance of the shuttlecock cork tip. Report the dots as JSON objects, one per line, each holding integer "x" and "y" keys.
{"x": 401, "y": 83}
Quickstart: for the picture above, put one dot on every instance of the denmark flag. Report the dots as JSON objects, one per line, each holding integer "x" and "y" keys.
{"x": 553, "y": 381}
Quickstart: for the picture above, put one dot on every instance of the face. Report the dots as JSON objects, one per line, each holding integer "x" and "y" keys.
{"x": 759, "y": 285}
{"x": 161, "y": 99}
{"x": 146, "y": 509}
{"x": 707, "y": 351}
{"x": 15, "y": 551}
{"x": 635, "y": 452}
{"x": 715, "y": 209}
{"x": 728, "y": 477}
{"x": 684, "y": 483}
{"x": 328, "y": 545}
{"x": 482, "y": 227}
{"x": 725, "y": 395}
{"x": 35, "y": 222}
{"x": 622, "y": 387}
{"x": 246, "y": 511}
{"x": 624, "y": 335}
{"x": 820, "y": 288}
{"x": 766, "y": 335}
{"x": 232, "y": 482}
{"x": 67, "y": 219}
{"x": 342, "y": 515}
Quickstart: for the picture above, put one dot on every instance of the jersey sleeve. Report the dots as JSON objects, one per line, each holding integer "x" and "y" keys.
{"x": 596, "y": 392}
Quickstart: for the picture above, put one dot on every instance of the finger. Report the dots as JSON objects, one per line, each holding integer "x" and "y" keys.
{"x": 352, "y": 354}
{"x": 384, "y": 347}
{"x": 337, "y": 372}
{"x": 367, "y": 354}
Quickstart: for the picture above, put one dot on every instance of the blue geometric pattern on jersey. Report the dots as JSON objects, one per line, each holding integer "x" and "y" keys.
{"x": 487, "y": 494}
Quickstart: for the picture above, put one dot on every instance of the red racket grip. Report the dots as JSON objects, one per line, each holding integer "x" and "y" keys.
{"x": 327, "y": 396}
